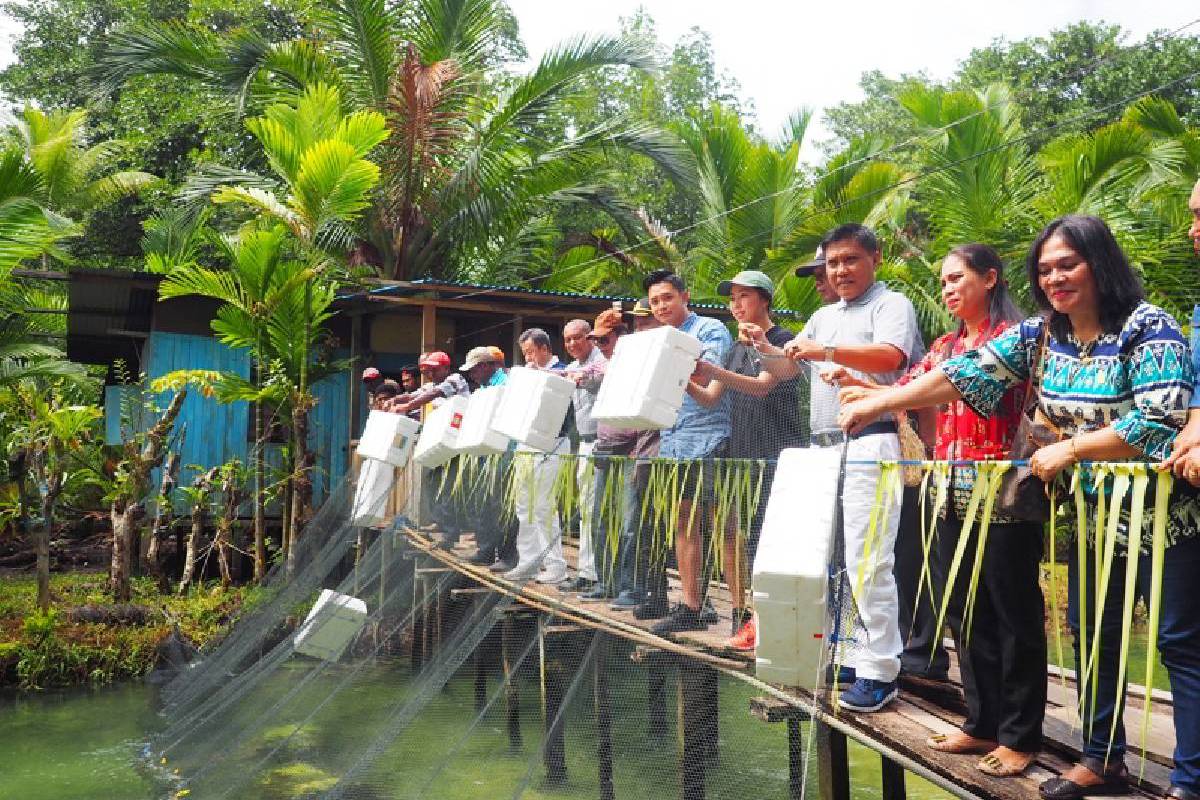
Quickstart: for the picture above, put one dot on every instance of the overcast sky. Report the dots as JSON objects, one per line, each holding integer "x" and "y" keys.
{"x": 789, "y": 53}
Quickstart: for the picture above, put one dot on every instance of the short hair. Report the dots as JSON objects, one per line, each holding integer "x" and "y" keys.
{"x": 1118, "y": 288}
{"x": 855, "y": 232}
{"x": 536, "y": 335}
{"x": 587, "y": 326}
{"x": 664, "y": 276}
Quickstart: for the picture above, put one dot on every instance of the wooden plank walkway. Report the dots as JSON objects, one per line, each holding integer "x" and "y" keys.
{"x": 923, "y": 709}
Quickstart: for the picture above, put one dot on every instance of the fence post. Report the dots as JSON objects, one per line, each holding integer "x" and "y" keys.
{"x": 835, "y": 768}
{"x": 604, "y": 762}
{"x": 512, "y": 691}
{"x": 892, "y": 775}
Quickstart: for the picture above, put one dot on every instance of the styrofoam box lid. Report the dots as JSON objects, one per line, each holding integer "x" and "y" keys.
{"x": 371, "y": 493}
{"x": 388, "y": 437}
{"x": 797, "y": 526}
{"x": 331, "y": 625}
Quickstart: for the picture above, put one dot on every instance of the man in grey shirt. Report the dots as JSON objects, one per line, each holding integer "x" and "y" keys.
{"x": 872, "y": 332}
{"x": 587, "y": 376}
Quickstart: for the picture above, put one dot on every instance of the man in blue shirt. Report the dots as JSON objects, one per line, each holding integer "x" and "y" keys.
{"x": 698, "y": 433}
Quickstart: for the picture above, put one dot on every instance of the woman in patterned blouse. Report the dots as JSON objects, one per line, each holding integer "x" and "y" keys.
{"x": 1003, "y": 659}
{"x": 1116, "y": 381}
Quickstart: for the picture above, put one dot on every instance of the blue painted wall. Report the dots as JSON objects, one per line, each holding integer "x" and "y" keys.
{"x": 217, "y": 432}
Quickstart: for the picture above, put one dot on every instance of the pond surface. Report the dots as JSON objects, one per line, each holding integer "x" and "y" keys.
{"x": 87, "y": 744}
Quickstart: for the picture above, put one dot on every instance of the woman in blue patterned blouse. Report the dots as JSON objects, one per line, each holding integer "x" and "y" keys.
{"x": 1116, "y": 381}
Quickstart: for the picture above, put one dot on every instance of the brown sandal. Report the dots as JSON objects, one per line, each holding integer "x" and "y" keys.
{"x": 941, "y": 742}
{"x": 992, "y": 765}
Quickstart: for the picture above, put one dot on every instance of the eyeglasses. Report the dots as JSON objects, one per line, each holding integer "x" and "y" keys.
{"x": 602, "y": 340}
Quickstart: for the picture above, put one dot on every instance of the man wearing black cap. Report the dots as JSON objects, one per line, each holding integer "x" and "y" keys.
{"x": 815, "y": 269}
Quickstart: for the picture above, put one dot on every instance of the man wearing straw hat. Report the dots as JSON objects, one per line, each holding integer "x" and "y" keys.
{"x": 872, "y": 331}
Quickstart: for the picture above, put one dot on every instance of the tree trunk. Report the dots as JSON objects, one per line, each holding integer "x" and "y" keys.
{"x": 189, "y": 559}
{"x": 260, "y": 502}
{"x": 124, "y": 505}
{"x": 302, "y": 488}
{"x": 232, "y": 497}
{"x": 162, "y": 521}
{"x": 123, "y": 516}
{"x": 43, "y": 552}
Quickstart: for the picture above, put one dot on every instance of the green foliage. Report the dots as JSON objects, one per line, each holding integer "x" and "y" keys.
{"x": 44, "y": 650}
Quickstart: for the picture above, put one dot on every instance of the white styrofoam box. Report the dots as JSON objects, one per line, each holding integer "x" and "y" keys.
{"x": 439, "y": 434}
{"x": 375, "y": 479}
{"x": 646, "y": 378}
{"x": 331, "y": 625}
{"x": 791, "y": 567}
{"x": 476, "y": 436}
{"x": 388, "y": 437}
{"x": 534, "y": 406}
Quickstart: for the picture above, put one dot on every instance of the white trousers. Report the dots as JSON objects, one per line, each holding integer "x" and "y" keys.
{"x": 585, "y": 476}
{"x": 878, "y": 657}
{"x": 539, "y": 534}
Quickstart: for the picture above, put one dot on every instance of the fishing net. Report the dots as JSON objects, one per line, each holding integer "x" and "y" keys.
{"x": 468, "y": 682}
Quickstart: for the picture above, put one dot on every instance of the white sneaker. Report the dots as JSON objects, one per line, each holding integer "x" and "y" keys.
{"x": 552, "y": 576}
{"x": 520, "y": 574}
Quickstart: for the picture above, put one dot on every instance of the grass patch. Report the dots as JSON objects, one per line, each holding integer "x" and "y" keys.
{"x": 46, "y": 650}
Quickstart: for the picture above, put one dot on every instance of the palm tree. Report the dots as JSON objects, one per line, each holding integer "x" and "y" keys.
{"x": 467, "y": 177}
{"x": 72, "y": 177}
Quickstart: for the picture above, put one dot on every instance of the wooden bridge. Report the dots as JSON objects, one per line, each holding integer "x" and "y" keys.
{"x": 897, "y": 733}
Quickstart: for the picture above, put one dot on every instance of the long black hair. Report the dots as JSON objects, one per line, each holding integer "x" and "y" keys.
{"x": 1118, "y": 287}
{"x": 982, "y": 259}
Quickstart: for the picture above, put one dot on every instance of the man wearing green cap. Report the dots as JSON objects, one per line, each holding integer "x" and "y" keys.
{"x": 767, "y": 415}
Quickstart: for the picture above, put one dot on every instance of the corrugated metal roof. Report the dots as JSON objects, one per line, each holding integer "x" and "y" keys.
{"x": 486, "y": 287}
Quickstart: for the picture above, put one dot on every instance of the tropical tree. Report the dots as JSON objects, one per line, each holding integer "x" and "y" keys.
{"x": 467, "y": 174}
{"x": 45, "y": 439}
{"x": 73, "y": 178}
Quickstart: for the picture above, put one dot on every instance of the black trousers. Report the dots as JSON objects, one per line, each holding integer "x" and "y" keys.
{"x": 1003, "y": 655}
{"x": 923, "y": 651}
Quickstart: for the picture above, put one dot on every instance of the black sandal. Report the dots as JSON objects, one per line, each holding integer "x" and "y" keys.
{"x": 1116, "y": 782}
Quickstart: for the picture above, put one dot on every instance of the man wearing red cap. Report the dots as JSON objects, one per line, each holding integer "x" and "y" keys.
{"x": 379, "y": 389}
{"x": 442, "y": 383}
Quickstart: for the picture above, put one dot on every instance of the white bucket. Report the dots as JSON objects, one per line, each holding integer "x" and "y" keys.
{"x": 534, "y": 406}
{"x": 646, "y": 378}
{"x": 331, "y": 625}
{"x": 476, "y": 436}
{"x": 388, "y": 437}
{"x": 439, "y": 434}
{"x": 791, "y": 567}
{"x": 375, "y": 479}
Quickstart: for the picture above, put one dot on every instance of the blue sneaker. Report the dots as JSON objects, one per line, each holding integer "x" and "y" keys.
{"x": 868, "y": 695}
{"x": 846, "y": 676}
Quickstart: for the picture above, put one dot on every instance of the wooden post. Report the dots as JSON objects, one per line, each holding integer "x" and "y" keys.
{"x": 893, "y": 778}
{"x": 356, "y": 361}
{"x": 712, "y": 716}
{"x": 481, "y": 671}
{"x": 835, "y": 768}
{"x": 428, "y": 327}
{"x": 656, "y": 699}
{"x": 692, "y": 728}
{"x": 417, "y": 651}
{"x": 796, "y": 765}
{"x": 553, "y": 685}
{"x": 604, "y": 759}
{"x": 518, "y": 325}
{"x": 512, "y": 691}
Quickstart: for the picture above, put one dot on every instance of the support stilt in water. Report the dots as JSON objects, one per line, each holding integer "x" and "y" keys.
{"x": 835, "y": 768}
{"x": 417, "y": 651}
{"x": 893, "y": 779}
{"x": 604, "y": 759}
{"x": 554, "y": 680}
{"x": 512, "y": 691}
{"x": 482, "y": 655}
{"x": 656, "y": 699}
{"x": 795, "y": 760}
{"x": 693, "y": 728}
{"x": 712, "y": 716}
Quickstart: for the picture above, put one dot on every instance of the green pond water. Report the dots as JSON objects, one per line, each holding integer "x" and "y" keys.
{"x": 86, "y": 745}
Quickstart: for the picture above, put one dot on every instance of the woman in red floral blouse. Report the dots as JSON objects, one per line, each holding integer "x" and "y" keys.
{"x": 1003, "y": 659}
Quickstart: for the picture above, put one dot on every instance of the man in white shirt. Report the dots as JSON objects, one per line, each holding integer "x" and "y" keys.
{"x": 583, "y": 370}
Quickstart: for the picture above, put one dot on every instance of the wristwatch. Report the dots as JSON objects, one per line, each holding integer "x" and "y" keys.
{"x": 829, "y": 352}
